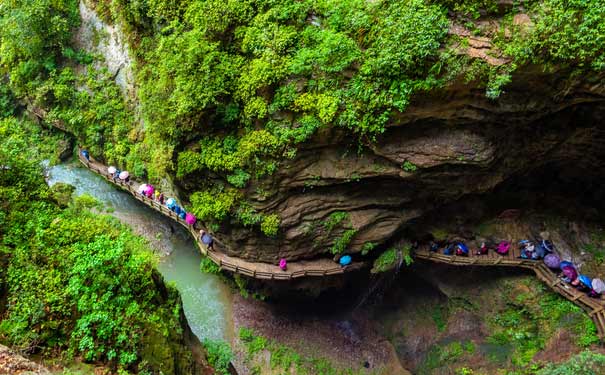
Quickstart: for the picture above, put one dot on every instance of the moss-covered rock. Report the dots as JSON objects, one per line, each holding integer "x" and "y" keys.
{"x": 61, "y": 193}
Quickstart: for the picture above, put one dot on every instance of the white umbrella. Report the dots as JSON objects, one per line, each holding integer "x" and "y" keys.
{"x": 124, "y": 175}
{"x": 598, "y": 285}
{"x": 111, "y": 169}
{"x": 142, "y": 188}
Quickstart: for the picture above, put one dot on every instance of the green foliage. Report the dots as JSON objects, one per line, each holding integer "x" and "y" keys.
{"x": 208, "y": 266}
{"x": 385, "y": 261}
{"x": 367, "y": 247}
{"x": 239, "y": 178}
{"x": 219, "y": 355}
{"x": 532, "y": 317}
{"x": 564, "y": 33}
{"x": 86, "y": 201}
{"x": 439, "y": 356}
{"x": 334, "y": 219}
{"x": 270, "y": 225}
{"x": 341, "y": 243}
{"x": 73, "y": 280}
{"x": 215, "y": 205}
{"x": 284, "y": 359}
{"x": 586, "y": 363}
{"x": 7, "y": 101}
{"x": 439, "y": 316}
{"x": 409, "y": 167}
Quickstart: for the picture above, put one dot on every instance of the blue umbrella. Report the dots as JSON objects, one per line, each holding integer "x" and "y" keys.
{"x": 170, "y": 203}
{"x": 345, "y": 260}
{"x": 183, "y": 214}
{"x": 566, "y": 263}
{"x": 206, "y": 239}
{"x": 462, "y": 247}
{"x": 585, "y": 280}
{"x": 177, "y": 209}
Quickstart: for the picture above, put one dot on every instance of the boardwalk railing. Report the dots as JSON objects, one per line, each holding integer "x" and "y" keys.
{"x": 257, "y": 270}
{"x": 595, "y": 307}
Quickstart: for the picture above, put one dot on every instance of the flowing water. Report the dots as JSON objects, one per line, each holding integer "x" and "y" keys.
{"x": 206, "y": 300}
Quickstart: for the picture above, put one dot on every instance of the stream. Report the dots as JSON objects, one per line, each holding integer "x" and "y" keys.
{"x": 206, "y": 299}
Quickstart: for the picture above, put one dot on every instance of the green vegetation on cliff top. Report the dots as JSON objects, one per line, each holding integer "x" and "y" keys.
{"x": 229, "y": 89}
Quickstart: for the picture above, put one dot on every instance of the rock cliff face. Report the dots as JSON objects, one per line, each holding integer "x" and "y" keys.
{"x": 448, "y": 145}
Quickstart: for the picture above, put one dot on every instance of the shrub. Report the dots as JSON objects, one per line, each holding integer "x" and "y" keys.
{"x": 270, "y": 225}
{"x": 341, "y": 243}
{"x": 219, "y": 355}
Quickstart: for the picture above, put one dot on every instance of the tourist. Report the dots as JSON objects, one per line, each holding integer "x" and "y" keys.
{"x": 461, "y": 249}
{"x": 345, "y": 260}
{"x": 161, "y": 198}
{"x": 482, "y": 249}
{"x": 527, "y": 249}
{"x": 156, "y": 195}
{"x": 86, "y": 155}
{"x": 503, "y": 248}
{"x": 206, "y": 239}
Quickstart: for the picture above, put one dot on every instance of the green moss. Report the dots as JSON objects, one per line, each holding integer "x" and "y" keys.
{"x": 284, "y": 359}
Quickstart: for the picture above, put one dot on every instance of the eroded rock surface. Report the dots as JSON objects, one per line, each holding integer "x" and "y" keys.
{"x": 446, "y": 146}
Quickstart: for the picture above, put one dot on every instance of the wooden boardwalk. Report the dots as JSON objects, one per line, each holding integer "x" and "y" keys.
{"x": 257, "y": 270}
{"x": 595, "y": 307}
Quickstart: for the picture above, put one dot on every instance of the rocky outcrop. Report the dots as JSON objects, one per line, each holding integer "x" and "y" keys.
{"x": 446, "y": 146}
{"x": 97, "y": 37}
{"x": 13, "y": 363}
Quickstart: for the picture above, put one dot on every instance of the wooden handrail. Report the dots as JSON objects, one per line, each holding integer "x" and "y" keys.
{"x": 222, "y": 260}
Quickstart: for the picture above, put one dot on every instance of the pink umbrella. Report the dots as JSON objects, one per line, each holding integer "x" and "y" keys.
{"x": 503, "y": 248}
{"x": 570, "y": 273}
{"x": 283, "y": 264}
{"x": 124, "y": 175}
{"x": 149, "y": 191}
{"x": 190, "y": 219}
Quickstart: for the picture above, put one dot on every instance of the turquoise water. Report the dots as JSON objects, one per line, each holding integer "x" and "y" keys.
{"x": 206, "y": 300}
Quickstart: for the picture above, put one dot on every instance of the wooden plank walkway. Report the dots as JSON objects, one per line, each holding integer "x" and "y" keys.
{"x": 595, "y": 307}
{"x": 257, "y": 270}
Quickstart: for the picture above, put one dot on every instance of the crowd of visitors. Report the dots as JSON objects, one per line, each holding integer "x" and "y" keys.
{"x": 541, "y": 250}
{"x": 150, "y": 192}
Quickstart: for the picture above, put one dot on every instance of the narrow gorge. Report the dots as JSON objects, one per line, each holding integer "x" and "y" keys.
{"x": 367, "y": 184}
